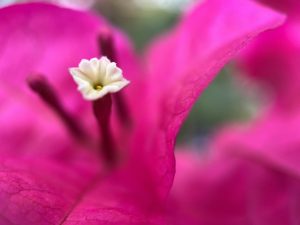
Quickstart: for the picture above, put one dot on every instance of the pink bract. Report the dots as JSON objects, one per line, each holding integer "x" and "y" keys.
{"x": 272, "y": 61}
{"x": 230, "y": 189}
{"x": 252, "y": 174}
{"x": 48, "y": 178}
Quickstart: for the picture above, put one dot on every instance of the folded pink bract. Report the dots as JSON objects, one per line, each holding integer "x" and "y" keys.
{"x": 46, "y": 176}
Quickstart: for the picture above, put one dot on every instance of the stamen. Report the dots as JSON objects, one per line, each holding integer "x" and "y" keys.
{"x": 106, "y": 44}
{"x": 40, "y": 85}
{"x": 107, "y": 48}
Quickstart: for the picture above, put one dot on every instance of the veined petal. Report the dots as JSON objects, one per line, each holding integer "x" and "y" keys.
{"x": 31, "y": 35}
{"x": 42, "y": 191}
{"x": 32, "y": 42}
{"x": 115, "y": 201}
{"x": 183, "y": 62}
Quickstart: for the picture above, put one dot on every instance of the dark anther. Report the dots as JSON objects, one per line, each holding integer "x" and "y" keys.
{"x": 106, "y": 44}
{"x": 40, "y": 85}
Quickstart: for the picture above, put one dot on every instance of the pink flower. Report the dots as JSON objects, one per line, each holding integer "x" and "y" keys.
{"x": 52, "y": 170}
{"x": 234, "y": 189}
{"x": 251, "y": 175}
{"x": 272, "y": 58}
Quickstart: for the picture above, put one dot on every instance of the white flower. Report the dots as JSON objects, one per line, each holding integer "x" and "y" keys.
{"x": 97, "y": 77}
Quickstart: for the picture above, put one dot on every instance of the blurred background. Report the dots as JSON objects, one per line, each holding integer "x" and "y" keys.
{"x": 228, "y": 99}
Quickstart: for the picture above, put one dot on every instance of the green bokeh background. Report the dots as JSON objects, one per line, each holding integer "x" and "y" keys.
{"x": 224, "y": 101}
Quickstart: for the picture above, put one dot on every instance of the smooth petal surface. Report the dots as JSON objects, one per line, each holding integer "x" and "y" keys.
{"x": 272, "y": 139}
{"x": 182, "y": 63}
{"x": 185, "y": 61}
{"x": 44, "y": 39}
{"x": 291, "y": 7}
{"x": 228, "y": 190}
{"x": 272, "y": 60}
{"x": 40, "y": 39}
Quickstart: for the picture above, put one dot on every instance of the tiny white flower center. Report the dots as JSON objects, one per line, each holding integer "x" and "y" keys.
{"x": 97, "y": 77}
{"x": 98, "y": 87}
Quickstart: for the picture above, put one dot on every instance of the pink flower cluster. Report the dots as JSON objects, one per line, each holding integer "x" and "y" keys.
{"x": 52, "y": 168}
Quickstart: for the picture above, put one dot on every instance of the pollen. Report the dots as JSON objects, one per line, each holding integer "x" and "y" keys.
{"x": 96, "y": 78}
{"x": 98, "y": 87}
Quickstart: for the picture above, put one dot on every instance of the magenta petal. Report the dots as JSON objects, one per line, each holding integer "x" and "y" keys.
{"x": 111, "y": 202}
{"x": 40, "y": 39}
{"x": 183, "y": 63}
{"x": 232, "y": 191}
{"x": 45, "y": 39}
{"x": 273, "y": 140}
{"x": 272, "y": 60}
{"x": 40, "y": 191}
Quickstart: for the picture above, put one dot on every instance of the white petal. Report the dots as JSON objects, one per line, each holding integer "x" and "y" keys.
{"x": 103, "y": 63}
{"x": 87, "y": 67}
{"x": 114, "y": 74}
{"x": 75, "y": 72}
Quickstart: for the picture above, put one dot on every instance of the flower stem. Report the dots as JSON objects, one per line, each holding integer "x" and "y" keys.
{"x": 102, "y": 112}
